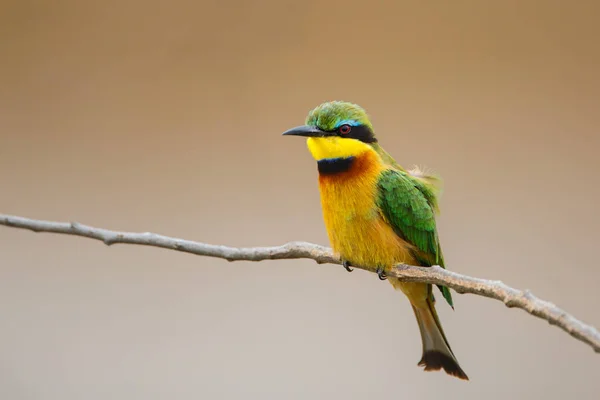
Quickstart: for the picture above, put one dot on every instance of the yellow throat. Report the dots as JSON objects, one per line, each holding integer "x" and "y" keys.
{"x": 335, "y": 147}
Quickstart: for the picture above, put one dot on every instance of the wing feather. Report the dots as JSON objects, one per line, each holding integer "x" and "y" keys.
{"x": 409, "y": 205}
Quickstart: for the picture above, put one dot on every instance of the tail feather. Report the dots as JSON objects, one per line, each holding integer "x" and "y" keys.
{"x": 437, "y": 353}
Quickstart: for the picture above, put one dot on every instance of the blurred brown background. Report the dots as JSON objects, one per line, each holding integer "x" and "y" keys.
{"x": 166, "y": 117}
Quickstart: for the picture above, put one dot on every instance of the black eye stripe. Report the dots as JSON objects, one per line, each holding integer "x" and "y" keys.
{"x": 359, "y": 132}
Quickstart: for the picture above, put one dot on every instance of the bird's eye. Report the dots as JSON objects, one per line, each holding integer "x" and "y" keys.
{"x": 345, "y": 129}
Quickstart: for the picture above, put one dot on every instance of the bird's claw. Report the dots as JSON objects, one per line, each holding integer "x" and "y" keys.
{"x": 381, "y": 274}
{"x": 346, "y": 265}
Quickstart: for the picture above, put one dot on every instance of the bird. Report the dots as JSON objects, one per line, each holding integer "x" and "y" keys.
{"x": 378, "y": 214}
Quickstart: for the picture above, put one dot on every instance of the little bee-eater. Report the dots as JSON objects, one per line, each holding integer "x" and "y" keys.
{"x": 377, "y": 214}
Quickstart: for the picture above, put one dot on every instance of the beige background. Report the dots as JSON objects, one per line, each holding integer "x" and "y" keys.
{"x": 166, "y": 117}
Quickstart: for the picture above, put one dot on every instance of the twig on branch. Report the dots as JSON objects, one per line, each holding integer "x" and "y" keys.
{"x": 436, "y": 275}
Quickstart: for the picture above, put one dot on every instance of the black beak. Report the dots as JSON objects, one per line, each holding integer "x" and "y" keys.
{"x": 305, "y": 130}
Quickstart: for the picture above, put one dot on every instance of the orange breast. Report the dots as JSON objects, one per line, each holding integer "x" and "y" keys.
{"x": 356, "y": 228}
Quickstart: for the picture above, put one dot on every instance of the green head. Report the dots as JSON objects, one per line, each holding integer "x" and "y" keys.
{"x": 330, "y": 116}
{"x": 337, "y": 129}
{"x": 337, "y": 118}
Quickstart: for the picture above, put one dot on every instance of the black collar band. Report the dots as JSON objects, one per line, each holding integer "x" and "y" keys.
{"x": 331, "y": 166}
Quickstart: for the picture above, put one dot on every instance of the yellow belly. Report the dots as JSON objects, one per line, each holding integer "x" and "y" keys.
{"x": 356, "y": 229}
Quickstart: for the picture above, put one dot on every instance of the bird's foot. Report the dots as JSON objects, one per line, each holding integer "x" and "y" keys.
{"x": 347, "y": 265}
{"x": 381, "y": 274}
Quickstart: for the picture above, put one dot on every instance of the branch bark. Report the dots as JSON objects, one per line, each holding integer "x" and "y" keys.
{"x": 511, "y": 297}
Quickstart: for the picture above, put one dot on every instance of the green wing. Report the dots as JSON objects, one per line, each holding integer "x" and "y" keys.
{"x": 409, "y": 205}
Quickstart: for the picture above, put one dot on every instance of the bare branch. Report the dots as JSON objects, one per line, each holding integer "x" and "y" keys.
{"x": 460, "y": 283}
